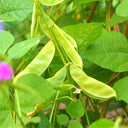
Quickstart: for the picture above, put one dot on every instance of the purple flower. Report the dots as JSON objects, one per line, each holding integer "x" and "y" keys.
{"x": 5, "y": 71}
{"x": 1, "y": 26}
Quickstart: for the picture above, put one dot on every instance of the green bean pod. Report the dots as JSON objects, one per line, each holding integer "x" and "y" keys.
{"x": 40, "y": 63}
{"x": 59, "y": 77}
{"x": 67, "y": 42}
{"x": 90, "y": 86}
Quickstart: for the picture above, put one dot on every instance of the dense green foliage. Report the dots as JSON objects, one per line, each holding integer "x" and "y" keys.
{"x": 69, "y": 61}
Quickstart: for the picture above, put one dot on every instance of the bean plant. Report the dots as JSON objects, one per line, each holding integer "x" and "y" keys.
{"x": 63, "y": 63}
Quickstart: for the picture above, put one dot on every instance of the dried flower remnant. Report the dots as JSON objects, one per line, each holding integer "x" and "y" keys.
{"x": 1, "y": 26}
{"x": 5, "y": 72}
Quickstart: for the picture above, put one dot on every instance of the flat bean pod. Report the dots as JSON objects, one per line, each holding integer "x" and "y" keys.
{"x": 91, "y": 86}
{"x": 64, "y": 39}
{"x": 59, "y": 77}
{"x": 40, "y": 63}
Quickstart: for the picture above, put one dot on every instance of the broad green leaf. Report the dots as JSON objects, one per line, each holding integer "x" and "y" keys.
{"x": 6, "y": 40}
{"x": 75, "y": 124}
{"x": 59, "y": 77}
{"x": 122, "y": 9}
{"x": 40, "y": 63}
{"x": 115, "y": 19}
{"x": 84, "y": 34}
{"x": 52, "y": 30}
{"x": 91, "y": 86}
{"x": 97, "y": 72}
{"x": 62, "y": 119}
{"x": 75, "y": 109}
{"x": 121, "y": 89}
{"x": 44, "y": 123}
{"x": 50, "y": 2}
{"x": 86, "y": 1}
{"x": 102, "y": 123}
{"x": 15, "y": 9}
{"x": 64, "y": 87}
{"x": 21, "y": 48}
{"x": 109, "y": 51}
{"x": 38, "y": 90}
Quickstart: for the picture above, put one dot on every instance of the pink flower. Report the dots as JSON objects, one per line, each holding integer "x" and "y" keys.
{"x": 1, "y": 26}
{"x": 5, "y": 71}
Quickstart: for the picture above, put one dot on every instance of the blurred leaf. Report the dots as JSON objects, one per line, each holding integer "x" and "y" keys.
{"x": 44, "y": 123}
{"x": 50, "y": 2}
{"x": 75, "y": 109}
{"x": 75, "y": 124}
{"x": 109, "y": 51}
{"x": 21, "y": 48}
{"x": 115, "y": 19}
{"x": 122, "y": 9}
{"x": 86, "y": 1}
{"x": 62, "y": 119}
{"x": 38, "y": 90}
{"x": 15, "y": 9}
{"x": 121, "y": 89}
{"x": 102, "y": 123}
{"x": 6, "y": 40}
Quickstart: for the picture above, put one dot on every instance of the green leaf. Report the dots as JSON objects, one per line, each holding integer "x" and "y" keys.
{"x": 115, "y": 19}
{"x": 50, "y": 2}
{"x": 15, "y": 9}
{"x": 121, "y": 89}
{"x": 102, "y": 123}
{"x": 91, "y": 86}
{"x": 33, "y": 90}
{"x": 40, "y": 63}
{"x": 43, "y": 88}
{"x": 44, "y": 123}
{"x": 75, "y": 124}
{"x": 21, "y": 48}
{"x": 122, "y": 9}
{"x": 86, "y": 1}
{"x": 6, "y": 40}
{"x": 84, "y": 34}
{"x": 59, "y": 77}
{"x": 75, "y": 109}
{"x": 109, "y": 51}
{"x": 62, "y": 119}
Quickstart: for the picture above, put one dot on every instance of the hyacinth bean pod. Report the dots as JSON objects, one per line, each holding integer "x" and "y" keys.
{"x": 40, "y": 63}
{"x": 59, "y": 77}
{"x": 90, "y": 86}
{"x": 64, "y": 39}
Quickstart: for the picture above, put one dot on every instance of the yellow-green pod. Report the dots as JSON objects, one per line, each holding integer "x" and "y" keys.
{"x": 90, "y": 86}
{"x": 40, "y": 63}
{"x": 59, "y": 77}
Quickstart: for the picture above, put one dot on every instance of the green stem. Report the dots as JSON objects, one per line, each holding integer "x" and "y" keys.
{"x": 18, "y": 103}
{"x": 33, "y": 19}
{"x": 108, "y": 11}
{"x": 85, "y": 111}
{"x": 53, "y": 108}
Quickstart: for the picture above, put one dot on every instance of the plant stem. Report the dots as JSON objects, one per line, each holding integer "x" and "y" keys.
{"x": 85, "y": 111}
{"x": 108, "y": 13}
{"x": 90, "y": 15}
{"x": 18, "y": 103}
{"x": 53, "y": 108}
